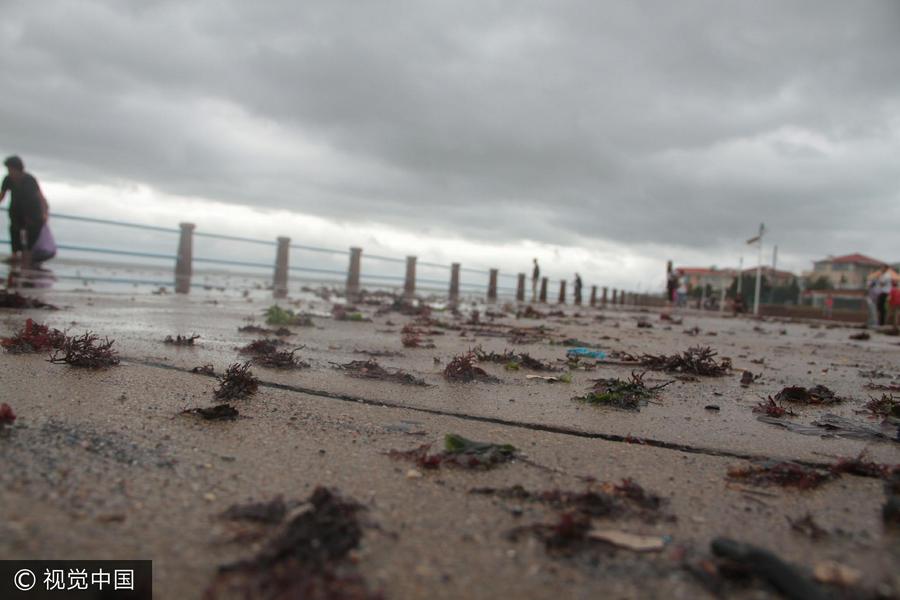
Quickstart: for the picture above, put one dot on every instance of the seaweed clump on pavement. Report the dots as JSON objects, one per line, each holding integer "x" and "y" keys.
{"x": 772, "y": 408}
{"x": 307, "y": 557}
{"x": 738, "y": 564}
{"x": 694, "y": 361}
{"x": 636, "y": 494}
{"x": 282, "y": 359}
{"x": 7, "y": 416}
{"x": 884, "y": 407}
{"x": 783, "y": 473}
{"x": 261, "y": 346}
{"x": 265, "y": 353}
{"x": 237, "y": 382}
{"x": 181, "y": 340}
{"x": 568, "y": 534}
{"x": 513, "y": 360}
{"x": 16, "y": 300}
{"x": 818, "y": 394}
{"x": 460, "y": 452}
{"x": 574, "y": 531}
{"x": 808, "y": 527}
{"x": 411, "y": 337}
{"x": 219, "y": 412}
{"x": 463, "y": 369}
{"x": 572, "y": 343}
{"x": 528, "y": 335}
{"x": 275, "y": 315}
{"x": 86, "y": 351}
{"x": 890, "y": 387}
{"x": 402, "y": 306}
{"x": 34, "y": 337}
{"x": 339, "y": 312}
{"x": 627, "y": 395}
{"x": 280, "y": 332}
{"x": 530, "y": 313}
{"x": 861, "y": 466}
{"x": 747, "y": 378}
{"x": 611, "y": 499}
{"x": 370, "y": 369}
{"x": 271, "y": 512}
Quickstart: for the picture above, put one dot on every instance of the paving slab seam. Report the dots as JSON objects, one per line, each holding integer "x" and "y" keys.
{"x": 609, "y": 437}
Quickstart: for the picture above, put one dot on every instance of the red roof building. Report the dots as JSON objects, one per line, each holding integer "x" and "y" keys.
{"x": 848, "y": 272}
{"x": 856, "y": 259}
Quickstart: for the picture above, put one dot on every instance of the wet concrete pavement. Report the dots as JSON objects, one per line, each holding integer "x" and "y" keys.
{"x": 102, "y": 464}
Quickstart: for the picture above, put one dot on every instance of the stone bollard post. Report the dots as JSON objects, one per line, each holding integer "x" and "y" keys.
{"x": 280, "y": 281}
{"x": 409, "y": 285}
{"x": 562, "y": 291}
{"x": 520, "y": 288}
{"x": 593, "y": 295}
{"x": 353, "y": 288}
{"x": 604, "y": 299}
{"x": 543, "y": 297}
{"x": 615, "y": 298}
{"x": 454, "y": 285}
{"x": 492, "y": 286}
{"x": 184, "y": 259}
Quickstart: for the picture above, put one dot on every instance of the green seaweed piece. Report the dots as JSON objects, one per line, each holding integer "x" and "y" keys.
{"x": 275, "y": 315}
{"x": 628, "y": 395}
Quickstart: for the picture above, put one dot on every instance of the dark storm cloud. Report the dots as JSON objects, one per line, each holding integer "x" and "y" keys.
{"x": 676, "y": 123}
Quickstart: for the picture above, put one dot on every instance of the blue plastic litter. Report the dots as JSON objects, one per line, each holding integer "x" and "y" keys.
{"x": 586, "y": 353}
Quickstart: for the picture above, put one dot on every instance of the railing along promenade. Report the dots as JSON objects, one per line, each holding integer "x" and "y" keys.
{"x": 354, "y": 277}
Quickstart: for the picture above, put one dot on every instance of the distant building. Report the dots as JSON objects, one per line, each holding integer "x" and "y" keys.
{"x": 847, "y": 272}
{"x": 716, "y": 279}
{"x": 719, "y": 279}
{"x": 774, "y": 277}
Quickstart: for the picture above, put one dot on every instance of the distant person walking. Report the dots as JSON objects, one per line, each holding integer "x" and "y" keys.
{"x": 829, "y": 306}
{"x": 577, "y": 288}
{"x": 535, "y": 276}
{"x": 671, "y": 287}
{"x": 894, "y": 304}
{"x": 884, "y": 290}
{"x": 681, "y": 291}
{"x": 27, "y": 207}
{"x": 872, "y": 299}
{"x": 671, "y": 283}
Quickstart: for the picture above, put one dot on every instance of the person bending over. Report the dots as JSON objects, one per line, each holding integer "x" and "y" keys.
{"x": 27, "y": 206}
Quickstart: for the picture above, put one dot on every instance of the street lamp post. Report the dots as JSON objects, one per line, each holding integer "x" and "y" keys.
{"x": 759, "y": 240}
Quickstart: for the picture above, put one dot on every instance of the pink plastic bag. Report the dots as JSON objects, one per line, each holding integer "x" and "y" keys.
{"x": 45, "y": 246}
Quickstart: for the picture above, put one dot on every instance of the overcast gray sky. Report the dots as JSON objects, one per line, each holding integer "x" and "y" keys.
{"x": 613, "y": 134}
